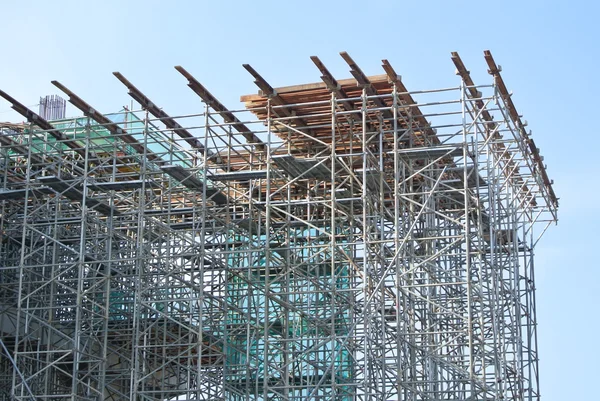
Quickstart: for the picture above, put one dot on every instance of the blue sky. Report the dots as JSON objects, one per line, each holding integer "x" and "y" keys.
{"x": 548, "y": 50}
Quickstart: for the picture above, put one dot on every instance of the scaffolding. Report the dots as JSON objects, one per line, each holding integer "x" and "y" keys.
{"x": 341, "y": 240}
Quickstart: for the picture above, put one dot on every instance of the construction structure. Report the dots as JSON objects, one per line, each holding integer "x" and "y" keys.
{"x": 332, "y": 241}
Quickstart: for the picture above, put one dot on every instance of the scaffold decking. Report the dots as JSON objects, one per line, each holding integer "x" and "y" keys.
{"x": 341, "y": 240}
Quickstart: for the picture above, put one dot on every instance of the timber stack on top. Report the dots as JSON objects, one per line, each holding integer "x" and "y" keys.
{"x": 301, "y": 115}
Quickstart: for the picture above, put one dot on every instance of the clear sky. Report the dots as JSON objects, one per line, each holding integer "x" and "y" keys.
{"x": 549, "y": 52}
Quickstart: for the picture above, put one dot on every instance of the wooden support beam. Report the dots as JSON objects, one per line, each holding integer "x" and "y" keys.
{"x": 294, "y": 89}
{"x": 336, "y": 88}
{"x": 465, "y": 75}
{"x": 355, "y": 70}
{"x": 260, "y": 81}
{"x": 364, "y": 81}
{"x": 121, "y": 133}
{"x": 268, "y": 91}
{"x": 157, "y": 112}
{"x": 494, "y": 70}
{"x": 332, "y": 83}
{"x": 42, "y": 123}
{"x": 407, "y": 100}
{"x": 471, "y": 89}
{"x": 276, "y": 100}
{"x": 101, "y": 119}
{"x": 216, "y": 105}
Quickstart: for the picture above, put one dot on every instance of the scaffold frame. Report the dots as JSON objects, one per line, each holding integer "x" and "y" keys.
{"x": 342, "y": 240}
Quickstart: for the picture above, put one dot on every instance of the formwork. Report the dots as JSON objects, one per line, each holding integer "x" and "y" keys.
{"x": 342, "y": 240}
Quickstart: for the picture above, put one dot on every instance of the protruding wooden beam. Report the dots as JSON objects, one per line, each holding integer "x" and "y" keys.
{"x": 260, "y": 81}
{"x": 465, "y": 75}
{"x": 216, "y": 105}
{"x": 107, "y": 123}
{"x": 326, "y": 76}
{"x": 470, "y": 87}
{"x": 42, "y": 123}
{"x": 408, "y": 100}
{"x": 332, "y": 83}
{"x": 276, "y": 100}
{"x": 268, "y": 91}
{"x": 364, "y": 81}
{"x": 157, "y": 112}
{"x": 494, "y": 70}
{"x": 131, "y": 141}
{"x": 355, "y": 70}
